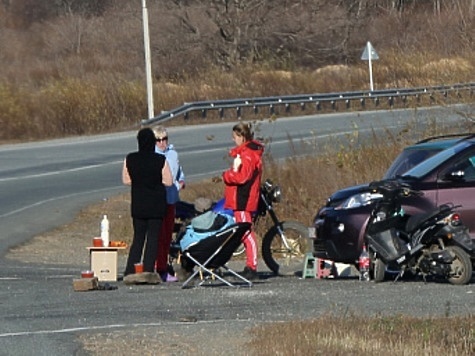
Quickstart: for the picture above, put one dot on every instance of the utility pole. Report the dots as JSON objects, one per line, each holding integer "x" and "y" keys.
{"x": 148, "y": 66}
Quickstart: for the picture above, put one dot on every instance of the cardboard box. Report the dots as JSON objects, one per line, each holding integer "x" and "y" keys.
{"x": 85, "y": 284}
{"x": 104, "y": 262}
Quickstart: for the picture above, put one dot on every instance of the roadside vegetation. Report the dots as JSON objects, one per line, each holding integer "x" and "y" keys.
{"x": 359, "y": 335}
{"x": 77, "y": 68}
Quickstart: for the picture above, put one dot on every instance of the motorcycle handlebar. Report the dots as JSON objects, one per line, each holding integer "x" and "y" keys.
{"x": 393, "y": 188}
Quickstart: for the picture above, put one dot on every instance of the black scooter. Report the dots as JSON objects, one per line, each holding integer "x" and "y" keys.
{"x": 435, "y": 243}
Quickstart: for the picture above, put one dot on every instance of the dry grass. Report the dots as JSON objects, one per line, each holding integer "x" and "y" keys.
{"x": 110, "y": 102}
{"x": 68, "y": 70}
{"x": 360, "y": 335}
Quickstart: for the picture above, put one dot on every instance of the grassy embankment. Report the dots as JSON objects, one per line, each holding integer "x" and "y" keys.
{"x": 52, "y": 102}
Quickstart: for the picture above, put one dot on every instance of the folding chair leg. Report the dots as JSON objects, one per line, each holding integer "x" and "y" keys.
{"x": 201, "y": 266}
{"x": 249, "y": 283}
{"x": 189, "y": 279}
{"x": 216, "y": 276}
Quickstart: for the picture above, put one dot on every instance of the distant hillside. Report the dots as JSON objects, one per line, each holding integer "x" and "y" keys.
{"x": 60, "y": 55}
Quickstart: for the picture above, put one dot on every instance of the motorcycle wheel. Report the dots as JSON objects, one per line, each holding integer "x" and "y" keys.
{"x": 379, "y": 270}
{"x": 461, "y": 268}
{"x": 277, "y": 257}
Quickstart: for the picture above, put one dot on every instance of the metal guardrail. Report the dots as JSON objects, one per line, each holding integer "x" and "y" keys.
{"x": 315, "y": 99}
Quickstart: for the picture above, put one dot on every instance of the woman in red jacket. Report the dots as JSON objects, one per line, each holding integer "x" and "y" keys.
{"x": 243, "y": 181}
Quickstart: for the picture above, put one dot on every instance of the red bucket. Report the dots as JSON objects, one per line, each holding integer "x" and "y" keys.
{"x": 138, "y": 267}
{"x": 87, "y": 274}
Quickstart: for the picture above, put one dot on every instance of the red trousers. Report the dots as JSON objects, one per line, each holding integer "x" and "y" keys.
{"x": 249, "y": 239}
{"x": 165, "y": 238}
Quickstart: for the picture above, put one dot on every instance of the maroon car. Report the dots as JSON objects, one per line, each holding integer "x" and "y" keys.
{"x": 446, "y": 177}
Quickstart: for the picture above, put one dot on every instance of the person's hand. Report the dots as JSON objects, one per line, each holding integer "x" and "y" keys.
{"x": 237, "y": 163}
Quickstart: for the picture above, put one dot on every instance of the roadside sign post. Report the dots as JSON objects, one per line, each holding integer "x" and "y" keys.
{"x": 369, "y": 54}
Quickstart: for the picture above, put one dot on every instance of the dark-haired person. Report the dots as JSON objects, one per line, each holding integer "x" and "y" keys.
{"x": 242, "y": 185}
{"x": 147, "y": 173}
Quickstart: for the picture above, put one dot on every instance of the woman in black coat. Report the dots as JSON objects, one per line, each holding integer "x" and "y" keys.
{"x": 148, "y": 173}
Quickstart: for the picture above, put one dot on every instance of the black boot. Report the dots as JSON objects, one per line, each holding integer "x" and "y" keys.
{"x": 249, "y": 273}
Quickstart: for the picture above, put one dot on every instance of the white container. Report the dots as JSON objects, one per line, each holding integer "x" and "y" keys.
{"x": 105, "y": 231}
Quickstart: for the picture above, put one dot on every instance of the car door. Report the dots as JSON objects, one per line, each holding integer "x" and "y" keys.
{"x": 457, "y": 186}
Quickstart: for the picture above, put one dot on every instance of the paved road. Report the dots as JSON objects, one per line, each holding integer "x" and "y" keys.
{"x": 42, "y": 315}
{"x": 42, "y": 185}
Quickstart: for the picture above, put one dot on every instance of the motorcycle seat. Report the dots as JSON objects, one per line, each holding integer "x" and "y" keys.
{"x": 415, "y": 221}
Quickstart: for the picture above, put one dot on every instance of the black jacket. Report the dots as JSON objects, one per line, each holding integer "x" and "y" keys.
{"x": 148, "y": 192}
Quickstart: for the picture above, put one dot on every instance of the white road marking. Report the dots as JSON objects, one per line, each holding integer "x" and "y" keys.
{"x": 112, "y": 326}
{"x": 58, "y": 198}
{"x": 47, "y": 174}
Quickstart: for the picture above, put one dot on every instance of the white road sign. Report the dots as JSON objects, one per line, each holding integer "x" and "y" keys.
{"x": 369, "y": 54}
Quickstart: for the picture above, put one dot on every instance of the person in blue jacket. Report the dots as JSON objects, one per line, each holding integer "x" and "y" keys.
{"x": 165, "y": 148}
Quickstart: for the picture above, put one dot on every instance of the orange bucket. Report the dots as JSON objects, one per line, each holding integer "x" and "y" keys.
{"x": 87, "y": 274}
{"x": 138, "y": 267}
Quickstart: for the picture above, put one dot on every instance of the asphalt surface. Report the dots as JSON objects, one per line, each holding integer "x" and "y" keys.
{"x": 43, "y": 315}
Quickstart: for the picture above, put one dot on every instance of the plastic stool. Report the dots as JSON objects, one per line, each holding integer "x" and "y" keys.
{"x": 309, "y": 266}
{"x": 322, "y": 270}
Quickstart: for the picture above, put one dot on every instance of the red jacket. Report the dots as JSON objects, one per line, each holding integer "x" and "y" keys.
{"x": 242, "y": 187}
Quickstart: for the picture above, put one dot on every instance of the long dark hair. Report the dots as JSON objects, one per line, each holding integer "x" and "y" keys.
{"x": 243, "y": 129}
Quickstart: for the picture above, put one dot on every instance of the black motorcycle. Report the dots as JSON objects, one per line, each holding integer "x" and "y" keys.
{"x": 434, "y": 243}
{"x": 285, "y": 243}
